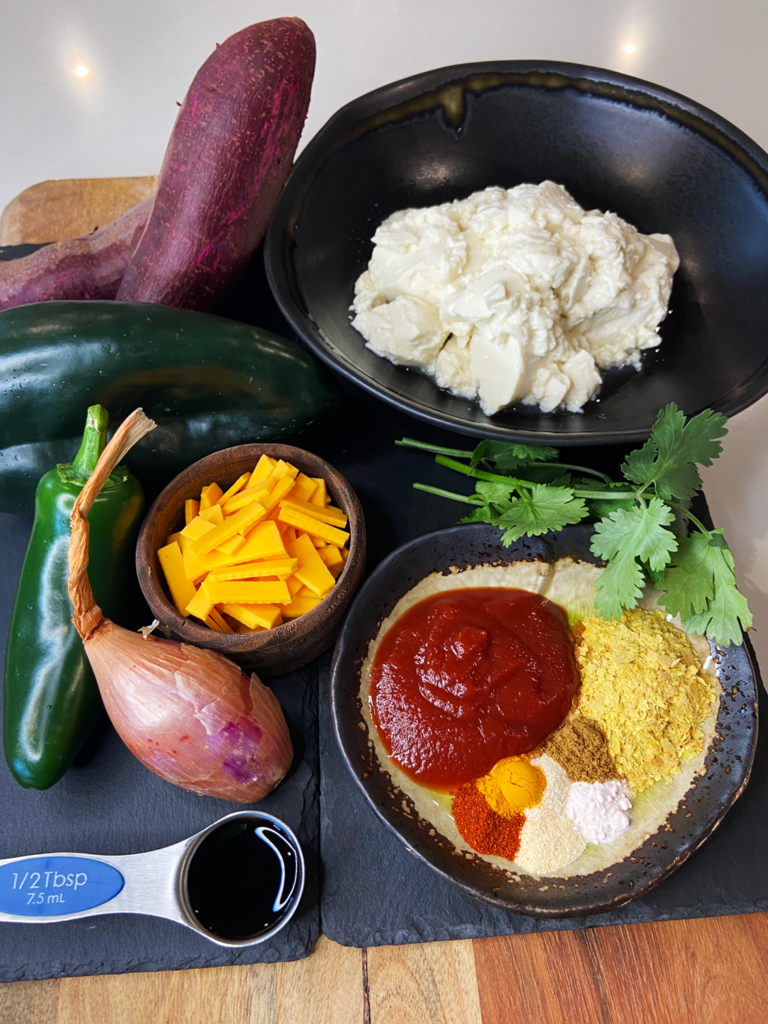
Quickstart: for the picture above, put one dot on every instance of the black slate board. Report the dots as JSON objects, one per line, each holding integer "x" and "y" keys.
{"x": 109, "y": 803}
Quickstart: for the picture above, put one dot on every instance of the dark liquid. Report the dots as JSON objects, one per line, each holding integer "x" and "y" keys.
{"x": 241, "y": 879}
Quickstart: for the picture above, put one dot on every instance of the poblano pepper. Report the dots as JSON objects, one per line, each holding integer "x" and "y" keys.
{"x": 51, "y": 700}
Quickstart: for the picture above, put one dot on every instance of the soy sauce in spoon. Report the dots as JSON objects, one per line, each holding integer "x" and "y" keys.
{"x": 241, "y": 879}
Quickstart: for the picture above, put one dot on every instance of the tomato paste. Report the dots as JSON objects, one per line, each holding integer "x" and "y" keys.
{"x": 467, "y": 677}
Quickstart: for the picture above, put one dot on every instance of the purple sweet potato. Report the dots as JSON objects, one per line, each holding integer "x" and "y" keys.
{"x": 90, "y": 267}
{"x": 227, "y": 160}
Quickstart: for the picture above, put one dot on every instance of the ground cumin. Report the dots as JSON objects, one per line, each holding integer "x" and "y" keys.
{"x": 484, "y": 830}
{"x": 581, "y": 748}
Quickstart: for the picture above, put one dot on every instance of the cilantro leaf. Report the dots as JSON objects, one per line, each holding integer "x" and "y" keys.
{"x": 626, "y": 538}
{"x": 689, "y": 581}
{"x": 508, "y": 455}
{"x": 619, "y": 587}
{"x": 544, "y": 508}
{"x": 480, "y": 515}
{"x": 640, "y": 531}
{"x": 668, "y": 458}
{"x": 701, "y": 589}
{"x": 492, "y": 492}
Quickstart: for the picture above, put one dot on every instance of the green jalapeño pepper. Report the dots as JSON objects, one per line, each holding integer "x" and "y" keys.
{"x": 51, "y": 700}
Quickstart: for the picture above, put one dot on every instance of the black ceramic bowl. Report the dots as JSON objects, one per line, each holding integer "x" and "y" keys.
{"x": 728, "y": 761}
{"x": 659, "y": 160}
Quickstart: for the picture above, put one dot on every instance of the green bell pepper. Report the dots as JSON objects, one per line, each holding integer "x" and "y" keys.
{"x": 51, "y": 700}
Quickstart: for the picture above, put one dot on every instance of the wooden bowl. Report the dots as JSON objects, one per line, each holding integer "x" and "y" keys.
{"x": 292, "y": 644}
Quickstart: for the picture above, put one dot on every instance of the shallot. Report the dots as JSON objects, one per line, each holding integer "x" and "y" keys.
{"x": 191, "y": 716}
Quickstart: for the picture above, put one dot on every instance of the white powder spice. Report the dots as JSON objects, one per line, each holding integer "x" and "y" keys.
{"x": 549, "y": 839}
{"x": 599, "y": 809}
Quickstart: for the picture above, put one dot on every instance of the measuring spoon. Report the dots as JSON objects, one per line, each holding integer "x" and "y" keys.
{"x": 237, "y": 882}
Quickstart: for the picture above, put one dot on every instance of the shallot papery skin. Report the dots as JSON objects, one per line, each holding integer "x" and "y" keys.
{"x": 190, "y": 715}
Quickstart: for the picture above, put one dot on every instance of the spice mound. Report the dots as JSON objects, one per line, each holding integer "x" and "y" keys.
{"x": 550, "y": 840}
{"x": 512, "y": 785}
{"x": 483, "y": 828}
{"x": 599, "y": 809}
{"x": 641, "y": 682}
{"x": 267, "y": 549}
{"x": 580, "y": 747}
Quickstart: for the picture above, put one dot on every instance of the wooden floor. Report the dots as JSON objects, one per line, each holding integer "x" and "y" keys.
{"x": 674, "y": 972}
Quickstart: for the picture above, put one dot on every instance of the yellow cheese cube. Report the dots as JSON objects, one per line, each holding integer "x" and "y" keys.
{"x": 229, "y": 547}
{"x": 320, "y": 493}
{"x": 294, "y": 585}
{"x": 191, "y": 508}
{"x": 197, "y": 528}
{"x": 210, "y": 495}
{"x": 283, "y": 469}
{"x": 303, "y": 488}
{"x": 245, "y": 592}
{"x": 238, "y": 485}
{"x": 201, "y": 604}
{"x": 172, "y": 564}
{"x": 277, "y": 493}
{"x": 288, "y": 533}
{"x": 328, "y": 514}
{"x": 319, "y": 542}
{"x": 313, "y": 526}
{"x": 194, "y": 566}
{"x": 254, "y": 492}
{"x": 331, "y": 556}
{"x": 265, "y": 615}
{"x": 173, "y": 537}
{"x": 263, "y": 541}
{"x": 299, "y": 606}
{"x": 311, "y": 570}
{"x": 236, "y": 523}
{"x": 212, "y": 514}
{"x": 279, "y": 568}
{"x": 264, "y": 468}
{"x": 221, "y": 622}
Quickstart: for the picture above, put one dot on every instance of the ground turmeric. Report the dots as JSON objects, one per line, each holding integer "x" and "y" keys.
{"x": 512, "y": 785}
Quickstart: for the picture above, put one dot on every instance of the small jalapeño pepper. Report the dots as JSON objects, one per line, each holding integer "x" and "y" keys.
{"x": 51, "y": 701}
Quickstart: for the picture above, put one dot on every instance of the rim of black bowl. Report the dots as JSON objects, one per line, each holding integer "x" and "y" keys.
{"x": 728, "y": 762}
{"x": 355, "y": 118}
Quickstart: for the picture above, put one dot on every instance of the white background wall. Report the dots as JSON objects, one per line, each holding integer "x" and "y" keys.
{"x": 142, "y": 55}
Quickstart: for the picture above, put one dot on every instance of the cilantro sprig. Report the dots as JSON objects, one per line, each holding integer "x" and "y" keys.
{"x": 643, "y": 527}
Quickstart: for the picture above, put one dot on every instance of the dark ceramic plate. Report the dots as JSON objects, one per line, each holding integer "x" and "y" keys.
{"x": 728, "y": 760}
{"x": 659, "y": 160}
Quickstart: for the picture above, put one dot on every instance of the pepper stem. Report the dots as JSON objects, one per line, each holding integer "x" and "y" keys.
{"x": 94, "y": 442}
{"x": 87, "y": 614}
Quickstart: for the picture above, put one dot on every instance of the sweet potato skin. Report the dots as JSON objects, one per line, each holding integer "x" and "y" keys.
{"x": 229, "y": 155}
{"x": 90, "y": 267}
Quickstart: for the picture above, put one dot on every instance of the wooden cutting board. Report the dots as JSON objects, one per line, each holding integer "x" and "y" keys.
{"x": 53, "y": 210}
